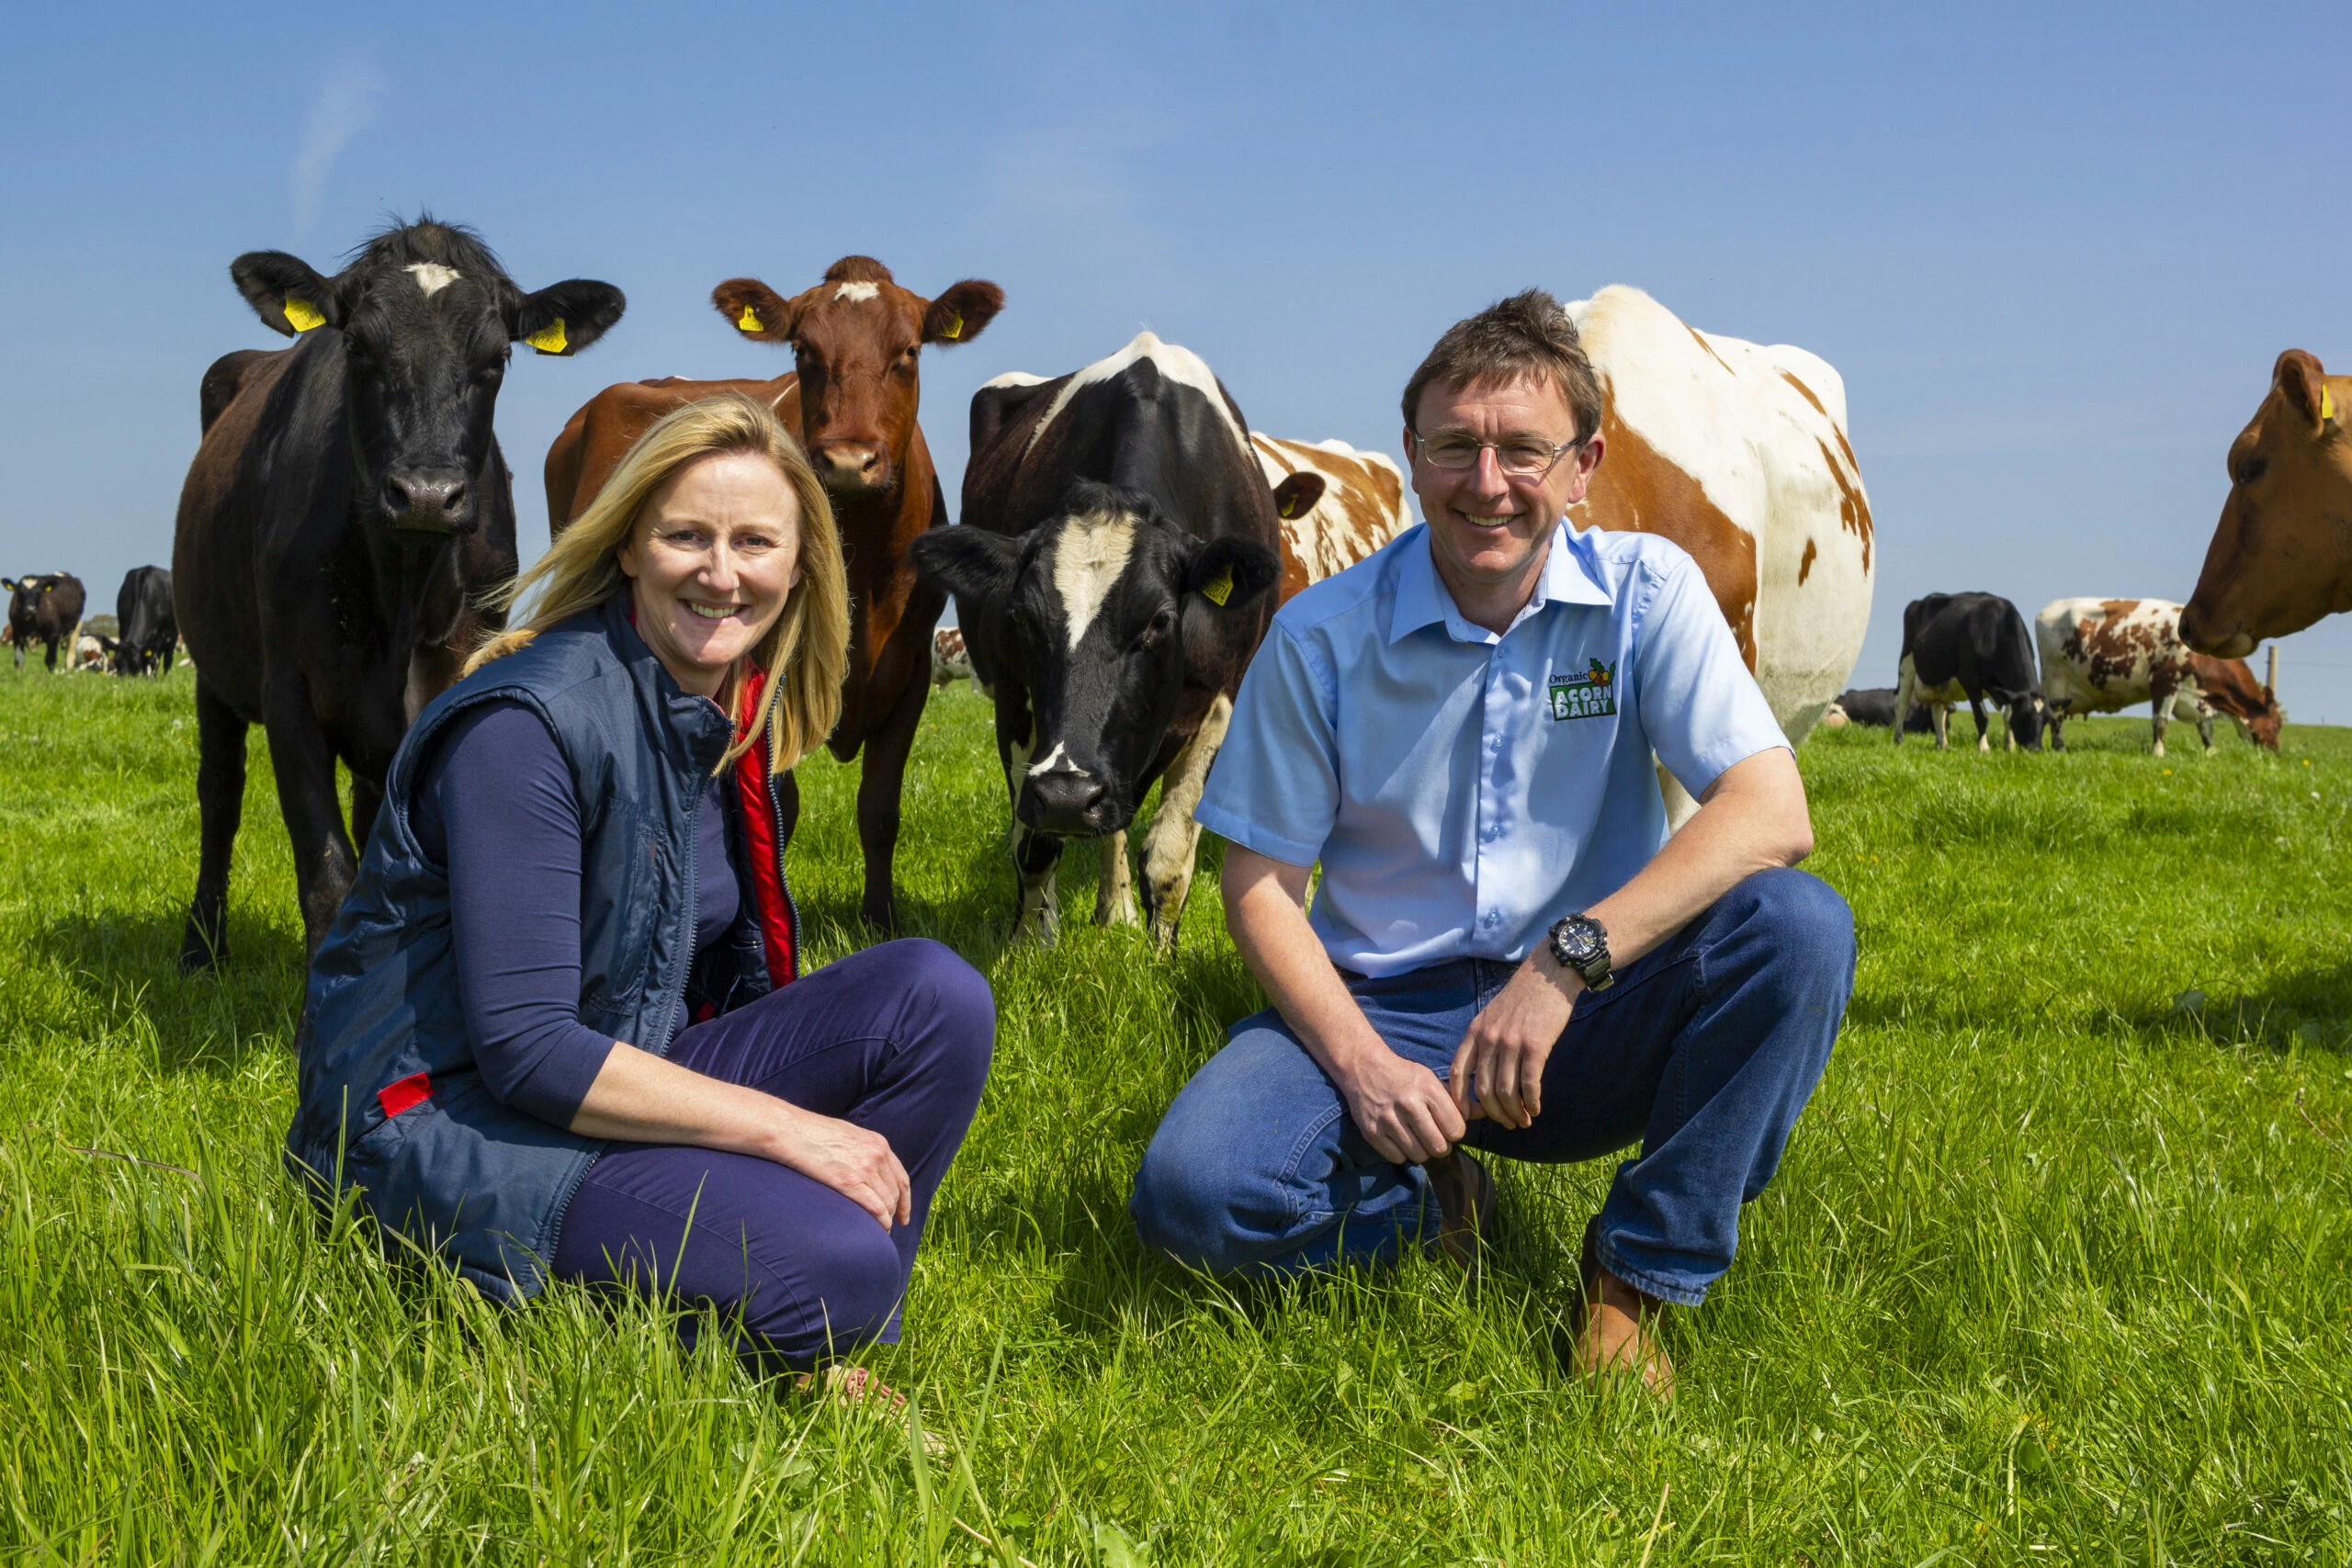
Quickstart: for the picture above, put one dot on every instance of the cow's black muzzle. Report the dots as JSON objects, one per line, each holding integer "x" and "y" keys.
{"x": 1071, "y": 804}
{"x": 429, "y": 501}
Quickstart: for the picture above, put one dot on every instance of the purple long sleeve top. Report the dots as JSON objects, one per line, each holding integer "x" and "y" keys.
{"x": 495, "y": 811}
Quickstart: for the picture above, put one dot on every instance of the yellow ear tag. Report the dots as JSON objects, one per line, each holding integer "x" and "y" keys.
{"x": 2327, "y": 404}
{"x": 548, "y": 340}
{"x": 1290, "y": 504}
{"x": 301, "y": 315}
{"x": 1219, "y": 589}
{"x": 748, "y": 321}
{"x": 954, "y": 329}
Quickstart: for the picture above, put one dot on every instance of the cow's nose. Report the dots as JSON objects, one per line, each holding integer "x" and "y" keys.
{"x": 852, "y": 463}
{"x": 1062, "y": 802}
{"x": 429, "y": 501}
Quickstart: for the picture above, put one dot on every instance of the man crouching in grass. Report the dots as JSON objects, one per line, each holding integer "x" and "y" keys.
{"x": 1506, "y": 951}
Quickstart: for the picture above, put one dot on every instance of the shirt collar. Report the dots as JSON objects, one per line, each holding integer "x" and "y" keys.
{"x": 1421, "y": 598}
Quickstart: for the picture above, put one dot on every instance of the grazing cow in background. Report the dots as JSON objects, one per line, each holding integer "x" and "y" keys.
{"x": 2106, "y": 655}
{"x": 856, "y": 340}
{"x": 949, "y": 660}
{"x": 1874, "y": 705}
{"x": 1974, "y": 646}
{"x": 2281, "y": 556}
{"x": 1362, "y": 506}
{"x": 1114, "y": 571}
{"x": 91, "y": 652}
{"x": 146, "y": 632}
{"x": 45, "y": 608}
{"x": 1737, "y": 452}
{"x": 346, "y": 510}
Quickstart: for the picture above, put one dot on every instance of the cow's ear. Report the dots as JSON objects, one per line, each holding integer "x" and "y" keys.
{"x": 971, "y": 563}
{"x": 284, "y": 291}
{"x": 963, "y": 313}
{"x": 2304, "y": 384}
{"x": 1232, "y": 573}
{"x": 564, "y": 318}
{"x": 1296, "y": 496}
{"x": 754, "y": 310}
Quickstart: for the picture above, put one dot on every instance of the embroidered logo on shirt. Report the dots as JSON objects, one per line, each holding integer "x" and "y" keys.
{"x": 1592, "y": 695}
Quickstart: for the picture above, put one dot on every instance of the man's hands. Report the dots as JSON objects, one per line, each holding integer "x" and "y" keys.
{"x": 1507, "y": 1043}
{"x": 1409, "y": 1117}
{"x": 1400, "y": 1107}
{"x": 855, "y": 1162}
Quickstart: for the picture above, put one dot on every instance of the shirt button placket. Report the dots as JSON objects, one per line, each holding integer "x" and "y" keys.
{"x": 1496, "y": 706}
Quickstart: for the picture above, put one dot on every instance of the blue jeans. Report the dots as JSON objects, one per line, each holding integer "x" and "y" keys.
{"x": 1704, "y": 1051}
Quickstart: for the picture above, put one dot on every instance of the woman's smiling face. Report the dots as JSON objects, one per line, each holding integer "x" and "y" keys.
{"x": 715, "y": 553}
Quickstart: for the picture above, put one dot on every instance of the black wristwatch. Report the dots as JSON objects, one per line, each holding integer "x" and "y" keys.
{"x": 1581, "y": 943}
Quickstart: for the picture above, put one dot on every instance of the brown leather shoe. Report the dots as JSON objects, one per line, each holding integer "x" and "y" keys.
{"x": 1465, "y": 1203}
{"x": 1614, "y": 1331}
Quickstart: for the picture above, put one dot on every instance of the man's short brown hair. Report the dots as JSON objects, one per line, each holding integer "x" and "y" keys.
{"x": 1525, "y": 337}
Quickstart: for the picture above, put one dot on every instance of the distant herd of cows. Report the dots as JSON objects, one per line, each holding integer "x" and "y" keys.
{"x": 1125, "y": 537}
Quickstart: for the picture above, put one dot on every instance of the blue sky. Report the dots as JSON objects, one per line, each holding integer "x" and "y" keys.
{"x": 2052, "y": 255}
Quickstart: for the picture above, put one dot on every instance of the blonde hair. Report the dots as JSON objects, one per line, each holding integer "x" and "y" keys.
{"x": 803, "y": 656}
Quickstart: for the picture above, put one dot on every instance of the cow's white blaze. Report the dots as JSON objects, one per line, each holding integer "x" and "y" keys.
{"x": 857, "y": 293}
{"x": 1057, "y": 757}
{"x": 1178, "y": 363}
{"x": 1088, "y": 558}
{"x": 432, "y": 276}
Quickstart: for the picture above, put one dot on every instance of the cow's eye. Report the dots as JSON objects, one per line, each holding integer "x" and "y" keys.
{"x": 2251, "y": 469}
{"x": 1162, "y": 626}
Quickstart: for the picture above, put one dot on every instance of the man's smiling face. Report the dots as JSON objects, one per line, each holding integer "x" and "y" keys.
{"x": 1489, "y": 529}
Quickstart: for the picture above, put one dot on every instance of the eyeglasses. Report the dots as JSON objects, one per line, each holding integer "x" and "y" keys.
{"x": 1518, "y": 456}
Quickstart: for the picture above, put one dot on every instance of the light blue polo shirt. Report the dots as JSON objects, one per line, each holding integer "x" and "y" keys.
{"x": 1462, "y": 790}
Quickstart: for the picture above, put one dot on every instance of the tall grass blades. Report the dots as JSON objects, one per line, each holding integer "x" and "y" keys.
{"x": 2054, "y": 1271}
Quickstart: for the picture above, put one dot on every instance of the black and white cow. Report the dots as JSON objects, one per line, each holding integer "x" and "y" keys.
{"x": 146, "y": 632}
{"x": 1972, "y": 645}
{"x": 1874, "y": 705}
{"x": 1112, "y": 574}
{"x": 44, "y": 607}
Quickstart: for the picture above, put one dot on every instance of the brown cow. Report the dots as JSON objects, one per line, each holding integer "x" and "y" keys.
{"x": 2281, "y": 556}
{"x": 856, "y": 339}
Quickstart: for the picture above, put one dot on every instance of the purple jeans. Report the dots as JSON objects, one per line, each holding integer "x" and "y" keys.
{"x": 895, "y": 1038}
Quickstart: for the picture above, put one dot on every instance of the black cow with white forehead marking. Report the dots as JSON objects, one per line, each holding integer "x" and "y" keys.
{"x": 1112, "y": 576}
{"x": 44, "y": 607}
{"x": 346, "y": 510}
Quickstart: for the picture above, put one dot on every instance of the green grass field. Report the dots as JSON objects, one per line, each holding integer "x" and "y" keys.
{"x": 2057, "y": 1269}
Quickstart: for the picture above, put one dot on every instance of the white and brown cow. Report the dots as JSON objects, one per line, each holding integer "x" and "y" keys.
{"x": 950, "y": 659}
{"x": 2105, "y": 654}
{"x": 1362, "y": 506}
{"x": 1737, "y": 452}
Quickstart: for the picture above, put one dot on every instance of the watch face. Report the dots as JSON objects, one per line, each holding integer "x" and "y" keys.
{"x": 1575, "y": 945}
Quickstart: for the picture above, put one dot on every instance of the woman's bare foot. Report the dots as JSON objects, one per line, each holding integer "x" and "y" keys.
{"x": 856, "y": 1389}
{"x": 850, "y": 1386}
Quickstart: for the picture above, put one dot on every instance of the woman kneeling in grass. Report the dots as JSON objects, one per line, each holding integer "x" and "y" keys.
{"x": 558, "y": 1026}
